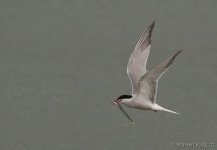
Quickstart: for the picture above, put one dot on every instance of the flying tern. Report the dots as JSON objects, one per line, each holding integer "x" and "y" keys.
{"x": 144, "y": 83}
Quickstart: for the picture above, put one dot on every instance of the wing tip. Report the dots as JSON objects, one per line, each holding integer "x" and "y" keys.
{"x": 178, "y": 52}
{"x": 152, "y": 25}
{"x": 146, "y": 36}
{"x": 150, "y": 29}
{"x": 173, "y": 57}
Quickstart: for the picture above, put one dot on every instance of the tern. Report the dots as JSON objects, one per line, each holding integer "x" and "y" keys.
{"x": 144, "y": 83}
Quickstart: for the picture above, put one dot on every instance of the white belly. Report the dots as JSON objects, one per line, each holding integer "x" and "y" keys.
{"x": 139, "y": 104}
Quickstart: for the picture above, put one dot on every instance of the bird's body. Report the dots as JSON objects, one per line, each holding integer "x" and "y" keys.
{"x": 144, "y": 83}
{"x": 138, "y": 102}
{"x": 144, "y": 104}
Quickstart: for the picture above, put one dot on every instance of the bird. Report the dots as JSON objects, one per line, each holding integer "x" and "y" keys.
{"x": 144, "y": 82}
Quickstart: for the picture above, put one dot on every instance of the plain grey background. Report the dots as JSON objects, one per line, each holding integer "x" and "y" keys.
{"x": 62, "y": 62}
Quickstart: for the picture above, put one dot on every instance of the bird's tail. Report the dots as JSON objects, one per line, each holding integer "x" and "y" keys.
{"x": 158, "y": 107}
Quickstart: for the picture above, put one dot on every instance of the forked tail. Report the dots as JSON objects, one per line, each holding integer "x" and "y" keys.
{"x": 158, "y": 107}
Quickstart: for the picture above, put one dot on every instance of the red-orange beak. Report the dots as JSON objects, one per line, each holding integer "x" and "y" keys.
{"x": 116, "y": 102}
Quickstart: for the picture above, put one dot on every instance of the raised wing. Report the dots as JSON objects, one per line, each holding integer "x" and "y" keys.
{"x": 136, "y": 67}
{"x": 149, "y": 82}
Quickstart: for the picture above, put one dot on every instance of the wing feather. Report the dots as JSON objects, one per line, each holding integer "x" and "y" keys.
{"x": 136, "y": 67}
{"x": 149, "y": 82}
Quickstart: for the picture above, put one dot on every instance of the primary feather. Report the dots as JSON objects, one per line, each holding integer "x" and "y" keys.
{"x": 149, "y": 82}
{"x": 136, "y": 67}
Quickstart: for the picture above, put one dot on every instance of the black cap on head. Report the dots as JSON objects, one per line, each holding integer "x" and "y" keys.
{"x": 125, "y": 96}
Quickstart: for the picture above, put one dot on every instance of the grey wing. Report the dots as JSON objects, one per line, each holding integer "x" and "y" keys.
{"x": 136, "y": 67}
{"x": 149, "y": 82}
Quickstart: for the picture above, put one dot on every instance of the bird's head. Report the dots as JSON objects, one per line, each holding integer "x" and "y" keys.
{"x": 120, "y": 99}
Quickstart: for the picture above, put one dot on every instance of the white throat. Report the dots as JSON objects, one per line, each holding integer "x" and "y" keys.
{"x": 127, "y": 101}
